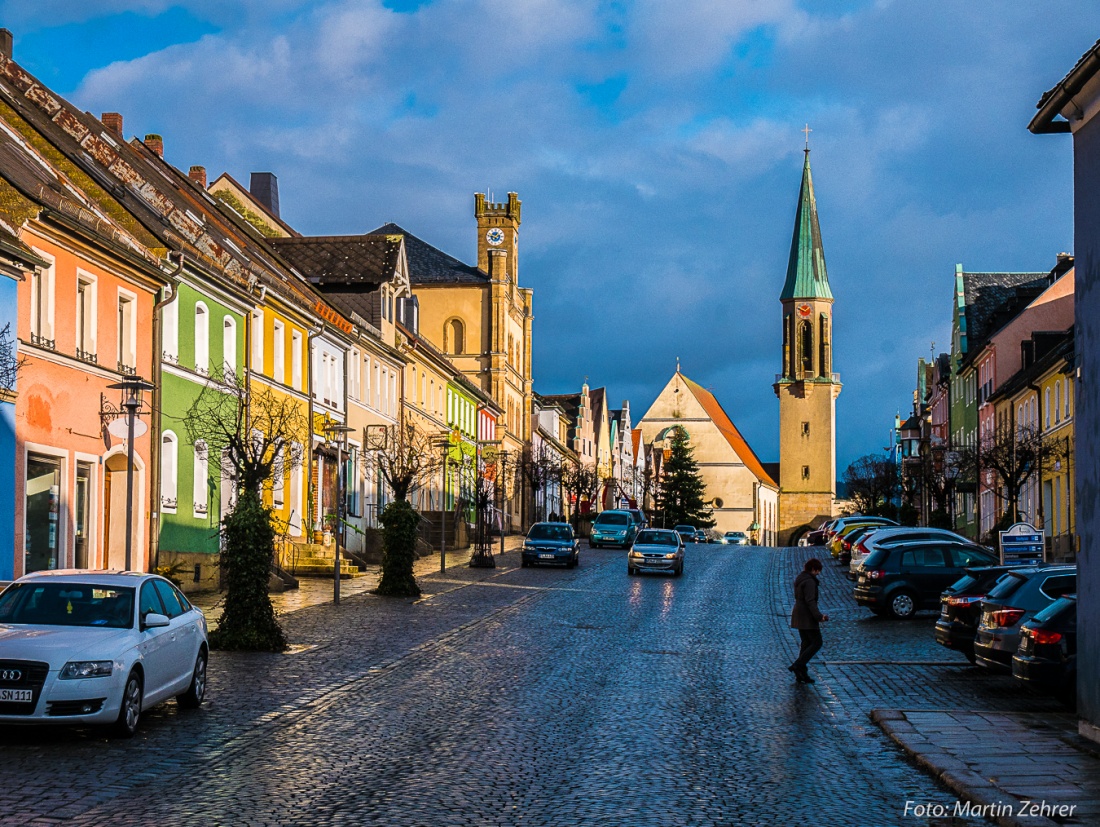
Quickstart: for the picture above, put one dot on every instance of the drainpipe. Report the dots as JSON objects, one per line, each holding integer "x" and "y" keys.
{"x": 1039, "y": 510}
{"x": 155, "y": 446}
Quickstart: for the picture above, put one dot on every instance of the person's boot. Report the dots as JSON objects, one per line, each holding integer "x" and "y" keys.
{"x": 804, "y": 676}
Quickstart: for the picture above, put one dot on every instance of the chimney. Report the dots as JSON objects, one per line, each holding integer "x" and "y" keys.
{"x": 198, "y": 175}
{"x": 113, "y": 122}
{"x": 155, "y": 143}
{"x": 264, "y": 187}
{"x": 6, "y": 43}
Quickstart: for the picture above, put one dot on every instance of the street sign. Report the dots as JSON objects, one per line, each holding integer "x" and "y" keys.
{"x": 489, "y": 453}
{"x": 1022, "y": 543}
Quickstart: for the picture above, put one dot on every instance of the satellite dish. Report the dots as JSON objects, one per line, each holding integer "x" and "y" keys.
{"x": 118, "y": 428}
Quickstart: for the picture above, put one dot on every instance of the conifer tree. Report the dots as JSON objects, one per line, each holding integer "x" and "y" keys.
{"x": 681, "y": 495}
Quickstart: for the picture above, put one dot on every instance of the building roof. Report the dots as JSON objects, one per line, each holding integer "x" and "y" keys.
{"x": 430, "y": 265}
{"x": 721, "y": 419}
{"x": 1054, "y": 100}
{"x": 990, "y": 299}
{"x": 343, "y": 259}
{"x": 636, "y": 441}
{"x": 806, "y": 275}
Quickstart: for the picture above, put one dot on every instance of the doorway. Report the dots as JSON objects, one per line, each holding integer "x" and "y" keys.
{"x": 42, "y": 513}
{"x": 114, "y": 513}
{"x": 82, "y": 512}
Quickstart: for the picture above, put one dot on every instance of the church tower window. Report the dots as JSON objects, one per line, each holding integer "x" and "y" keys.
{"x": 807, "y": 347}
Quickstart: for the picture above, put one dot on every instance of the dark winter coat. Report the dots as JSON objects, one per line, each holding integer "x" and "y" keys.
{"x": 805, "y": 614}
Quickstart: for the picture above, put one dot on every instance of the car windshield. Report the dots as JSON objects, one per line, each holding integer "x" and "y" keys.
{"x": 963, "y": 584}
{"x": 67, "y": 604}
{"x": 735, "y": 534}
{"x": 613, "y": 518}
{"x": 688, "y": 529}
{"x": 656, "y": 538}
{"x": 545, "y": 531}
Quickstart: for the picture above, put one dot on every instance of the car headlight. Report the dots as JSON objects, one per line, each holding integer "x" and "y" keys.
{"x": 670, "y": 556}
{"x": 76, "y": 669}
{"x": 634, "y": 553}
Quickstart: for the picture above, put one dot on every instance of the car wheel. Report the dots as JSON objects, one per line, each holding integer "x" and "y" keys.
{"x": 902, "y": 605}
{"x": 631, "y": 570}
{"x": 679, "y": 569}
{"x": 970, "y": 656}
{"x": 129, "y": 712}
{"x": 196, "y": 692}
{"x": 572, "y": 564}
{"x": 593, "y": 545}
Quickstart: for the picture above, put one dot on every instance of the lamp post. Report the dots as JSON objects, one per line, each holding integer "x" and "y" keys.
{"x": 132, "y": 389}
{"x": 444, "y": 443}
{"x": 336, "y": 435}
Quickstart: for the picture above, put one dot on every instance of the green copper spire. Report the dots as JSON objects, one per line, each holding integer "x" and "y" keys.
{"x": 806, "y": 276}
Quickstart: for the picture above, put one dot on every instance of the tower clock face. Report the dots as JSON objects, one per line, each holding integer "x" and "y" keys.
{"x": 804, "y": 310}
{"x": 495, "y": 236}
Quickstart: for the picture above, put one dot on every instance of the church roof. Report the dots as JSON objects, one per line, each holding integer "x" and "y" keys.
{"x": 806, "y": 275}
{"x": 430, "y": 265}
{"x": 345, "y": 259}
{"x": 721, "y": 419}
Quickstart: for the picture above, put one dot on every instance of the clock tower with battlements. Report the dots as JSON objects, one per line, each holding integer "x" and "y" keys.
{"x": 498, "y": 229}
{"x": 807, "y": 387}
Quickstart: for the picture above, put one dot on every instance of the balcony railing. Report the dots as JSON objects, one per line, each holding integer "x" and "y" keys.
{"x": 86, "y": 356}
{"x": 42, "y": 341}
{"x": 171, "y": 358}
{"x": 126, "y": 369}
{"x": 168, "y": 502}
{"x": 200, "y": 508}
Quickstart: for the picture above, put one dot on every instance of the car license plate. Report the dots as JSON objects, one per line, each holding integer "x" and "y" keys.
{"x": 943, "y": 610}
{"x": 19, "y": 696}
{"x": 546, "y": 556}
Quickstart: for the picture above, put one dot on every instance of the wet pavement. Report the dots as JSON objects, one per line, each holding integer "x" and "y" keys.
{"x": 534, "y": 697}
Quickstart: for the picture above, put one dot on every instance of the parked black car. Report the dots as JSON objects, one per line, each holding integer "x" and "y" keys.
{"x": 1047, "y": 655}
{"x": 901, "y": 579}
{"x": 550, "y": 543}
{"x": 961, "y": 608}
{"x": 1017, "y": 599}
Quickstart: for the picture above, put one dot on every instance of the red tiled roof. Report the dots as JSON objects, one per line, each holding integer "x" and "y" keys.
{"x": 729, "y": 431}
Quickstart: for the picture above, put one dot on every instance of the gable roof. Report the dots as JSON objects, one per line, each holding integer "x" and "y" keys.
{"x": 430, "y": 265}
{"x": 1058, "y": 346}
{"x": 342, "y": 259}
{"x": 1054, "y": 100}
{"x": 725, "y": 425}
{"x": 988, "y": 297}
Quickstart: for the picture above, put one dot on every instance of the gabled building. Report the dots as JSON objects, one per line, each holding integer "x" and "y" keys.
{"x": 741, "y": 494}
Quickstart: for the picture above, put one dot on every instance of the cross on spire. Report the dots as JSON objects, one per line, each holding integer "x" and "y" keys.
{"x": 806, "y": 131}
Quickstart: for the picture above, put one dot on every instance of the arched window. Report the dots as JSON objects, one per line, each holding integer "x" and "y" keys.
{"x": 823, "y": 359}
{"x": 806, "y": 338}
{"x": 202, "y": 339}
{"x": 454, "y": 335}
{"x": 169, "y": 471}
{"x": 229, "y": 345}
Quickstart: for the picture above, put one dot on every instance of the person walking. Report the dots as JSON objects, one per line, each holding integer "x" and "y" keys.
{"x": 806, "y": 617}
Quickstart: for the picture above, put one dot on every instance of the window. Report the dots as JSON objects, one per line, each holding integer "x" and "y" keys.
{"x": 1057, "y": 401}
{"x": 454, "y": 337}
{"x": 296, "y": 360}
{"x": 296, "y": 488}
{"x": 127, "y": 334}
{"x": 805, "y": 429}
{"x": 423, "y": 390}
{"x": 169, "y": 471}
{"x": 963, "y": 557}
{"x": 806, "y": 343}
{"x": 202, "y": 339}
{"x": 1046, "y": 408}
{"x": 168, "y": 597}
{"x": 229, "y": 345}
{"x": 42, "y": 300}
{"x": 377, "y": 388}
{"x": 278, "y": 480}
{"x": 922, "y": 558}
{"x": 1065, "y": 399}
{"x": 278, "y": 352}
{"x": 385, "y": 402}
{"x": 354, "y": 365}
{"x": 393, "y": 394}
{"x": 170, "y": 332}
{"x": 199, "y": 487}
{"x": 149, "y": 603}
{"x": 805, "y": 472}
{"x": 366, "y": 380}
{"x": 258, "y": 341}
{"x": 85, "y": 318}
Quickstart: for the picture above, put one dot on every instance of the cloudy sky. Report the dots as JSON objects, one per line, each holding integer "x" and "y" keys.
{"x": 655, "y": 144}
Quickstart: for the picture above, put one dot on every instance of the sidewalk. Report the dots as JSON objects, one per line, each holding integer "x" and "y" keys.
{"x": 1015, "y": 768}
{"x": 315, "y": 591}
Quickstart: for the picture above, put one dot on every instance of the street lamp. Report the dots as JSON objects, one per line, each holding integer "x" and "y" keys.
{"x": 132, "y": 388}
{"x": 336, "y": 436}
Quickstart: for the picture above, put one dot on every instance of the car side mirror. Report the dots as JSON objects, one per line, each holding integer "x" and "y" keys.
{"x": 154, "y": 621}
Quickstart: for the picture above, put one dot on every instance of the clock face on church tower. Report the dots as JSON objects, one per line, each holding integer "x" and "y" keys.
{"x": 804, "y": 310}
{"x": 495, "y": 236}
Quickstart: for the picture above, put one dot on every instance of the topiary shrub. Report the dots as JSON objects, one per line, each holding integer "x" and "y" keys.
{"x": 399, "y": 523}
{"x": 248, "y": 622}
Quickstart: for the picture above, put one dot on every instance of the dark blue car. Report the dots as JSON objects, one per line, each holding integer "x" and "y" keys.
{"x": 551, "y": 543}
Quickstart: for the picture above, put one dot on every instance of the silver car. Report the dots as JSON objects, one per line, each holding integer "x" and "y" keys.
{"x": 656, "y": 549}
{"x": 94, "y": 647}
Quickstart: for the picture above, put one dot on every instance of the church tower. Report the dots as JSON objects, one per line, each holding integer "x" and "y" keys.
{"x": 807, "y": 387}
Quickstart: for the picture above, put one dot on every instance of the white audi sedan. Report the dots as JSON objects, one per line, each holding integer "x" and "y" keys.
{"x": 97, "y": 647}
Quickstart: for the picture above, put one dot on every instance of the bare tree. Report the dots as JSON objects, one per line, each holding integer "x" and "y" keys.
{"x": 10, "y": 361}
{"x": 872, "y": 482}
{"x": 580, "y": 481}
{"x": 407, "y": 457}
{"x": 538, "y": 468}
{"x": 255, "y": 435}
{"x": 1014, "y": 455}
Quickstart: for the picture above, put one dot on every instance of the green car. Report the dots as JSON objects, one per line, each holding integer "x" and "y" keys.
{"x": 613, "y": 528}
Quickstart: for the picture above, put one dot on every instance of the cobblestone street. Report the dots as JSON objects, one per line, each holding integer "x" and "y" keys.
{"x": 533, "y": 697}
